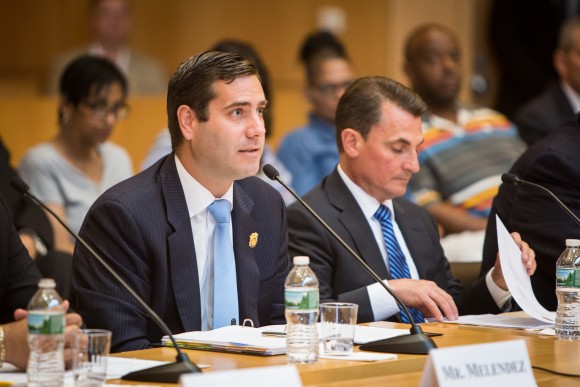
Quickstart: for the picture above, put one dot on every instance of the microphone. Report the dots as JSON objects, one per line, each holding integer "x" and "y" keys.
{"x": 416, "y": 342}
{"x": 166, "y": 373}
{"x": 510, "y": 178}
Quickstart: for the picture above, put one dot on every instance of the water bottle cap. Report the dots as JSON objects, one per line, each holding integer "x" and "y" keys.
{"x": 301, "y": 260}
{"x": 572, "y": 242}
{"x": 46, "y": 283}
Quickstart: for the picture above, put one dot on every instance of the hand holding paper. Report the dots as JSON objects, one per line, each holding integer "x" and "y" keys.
{"x": 528, "y": 258}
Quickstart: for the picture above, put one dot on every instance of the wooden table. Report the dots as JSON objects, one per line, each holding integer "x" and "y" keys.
{"x": 544, "y": 351}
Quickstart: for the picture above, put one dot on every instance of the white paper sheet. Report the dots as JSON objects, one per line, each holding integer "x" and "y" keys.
{"x": 517, "y": 278}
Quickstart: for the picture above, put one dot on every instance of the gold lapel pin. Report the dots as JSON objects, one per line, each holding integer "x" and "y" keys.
{"x": 253, "y": 239}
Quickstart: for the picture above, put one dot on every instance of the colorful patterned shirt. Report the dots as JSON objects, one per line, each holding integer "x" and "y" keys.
{"x": 462, "y": 163}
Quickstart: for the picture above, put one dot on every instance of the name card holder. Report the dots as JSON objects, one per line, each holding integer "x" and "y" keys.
{"x": 276, "y": 376}
{"x": 504, "y": 363}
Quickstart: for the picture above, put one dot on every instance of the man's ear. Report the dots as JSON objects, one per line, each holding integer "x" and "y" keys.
{"x": 351, "y": 141}
{"x": 187, "y": 121}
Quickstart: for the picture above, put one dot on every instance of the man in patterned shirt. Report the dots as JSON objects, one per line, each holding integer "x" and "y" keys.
{"x": 466, "y": 149}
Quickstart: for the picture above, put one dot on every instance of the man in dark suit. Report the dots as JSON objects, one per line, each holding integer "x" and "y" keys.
{"x": 34, "y": 229}
{"x": 156, "y": 229}
{"x": 553, "y": 162}
{"x": 560, "y": 102}
{"x": 19, "y": 277}
{"x": 379, "y": 129}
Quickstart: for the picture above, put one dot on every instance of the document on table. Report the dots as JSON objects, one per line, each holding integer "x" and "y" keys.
{"x": 517, "y": 278}
{"x": 265, "y": 341}
{"x": 502, "y": 321}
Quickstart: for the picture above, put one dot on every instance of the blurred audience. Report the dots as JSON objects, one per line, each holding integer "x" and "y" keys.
{"x": 69, "y": 172}
{"x": 162, "y": 144}
{"x": 310, "y": 151}
{"x": 466, "y": 148}
{"x": 110, "y": 25}
{"x": 523, "y": 34}
{"x": 560, "y": 102}
{"x": 553, "y": 162}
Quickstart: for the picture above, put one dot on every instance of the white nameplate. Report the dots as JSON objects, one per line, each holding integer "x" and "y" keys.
{"x": 277, "y": 376}
{"x": 505, "y": 363}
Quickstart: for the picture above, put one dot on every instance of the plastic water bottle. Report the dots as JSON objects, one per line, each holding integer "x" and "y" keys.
{"x": 46, "y": 326}
{"x": 301, "y": 294}
{"x": 568, "y": 292}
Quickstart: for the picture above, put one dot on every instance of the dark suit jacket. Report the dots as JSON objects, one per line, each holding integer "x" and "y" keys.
{"x": 142, "y": 228}
{"x": 25, "y": 213}
{"x": 18, "y": 274}
{"x": 342, "y": 277}
{"x": 554, "y": 163}
{"x": 543, "y": 114}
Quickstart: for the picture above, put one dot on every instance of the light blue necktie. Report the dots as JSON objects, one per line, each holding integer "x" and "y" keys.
{"x": 225, "y": 288}
{"x": 397, "y": 262}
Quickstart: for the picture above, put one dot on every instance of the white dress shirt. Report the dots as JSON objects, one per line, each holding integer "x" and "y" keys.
{"x": 198, "y": 199}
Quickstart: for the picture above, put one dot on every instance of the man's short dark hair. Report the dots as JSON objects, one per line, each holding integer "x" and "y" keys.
{"x": 361, "y": 105}
{"x": 192, "y": 85}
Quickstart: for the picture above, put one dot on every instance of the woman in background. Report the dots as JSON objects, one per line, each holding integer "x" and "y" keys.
{"x": 69, "y": 172}
{"x": 310, "y": 152}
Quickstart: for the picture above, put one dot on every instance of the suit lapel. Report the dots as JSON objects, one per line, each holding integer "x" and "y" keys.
{"x": 354, "y": 221}
{"x": 247, "y": 271}
{"x": 181, "y": 257}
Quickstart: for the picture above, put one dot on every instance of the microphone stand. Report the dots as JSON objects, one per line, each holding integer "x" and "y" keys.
{"x": 515, "y": 180}
{"x": 414, "y": 343}
{"x": 166, "y": 373}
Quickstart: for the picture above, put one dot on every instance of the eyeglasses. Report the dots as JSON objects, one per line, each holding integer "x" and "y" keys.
{"x": 332, "y": 88}
{"x": 100, "y": 110}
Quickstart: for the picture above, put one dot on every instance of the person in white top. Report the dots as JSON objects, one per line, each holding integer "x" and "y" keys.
{"x": 73, "y": 169}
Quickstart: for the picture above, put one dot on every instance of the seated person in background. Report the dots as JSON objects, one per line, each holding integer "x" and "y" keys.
{"x": 310, "y": 152}
{"x": 34, "y": 229}
{"x": 379, "y": 130}
{"x": 553, "y": 162}
{"x": 466, "y": 149}
{"x": 19, "y": 278}
{"x": 110, "y": 25}
{"x": 560, "y": 102}
{"x": 162, "y": 144}
{"x": 158, "y": 228}
{"x": 70, "y": 172}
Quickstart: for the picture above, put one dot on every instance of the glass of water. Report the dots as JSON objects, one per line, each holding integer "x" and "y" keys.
{"x": 338, "y": 320}
{"x": 91, "y": 350}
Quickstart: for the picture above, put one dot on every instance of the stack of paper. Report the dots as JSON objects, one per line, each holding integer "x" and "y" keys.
{"x": 254, "y": 341}
{"x": 233, "y": 338}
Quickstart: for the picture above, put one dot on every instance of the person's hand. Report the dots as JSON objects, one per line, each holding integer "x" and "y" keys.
{"x": 426, "y": 296}
{"x": 73, "y": 325}
{"x": 16, "y": 337}
{"x": 528, "y": 259}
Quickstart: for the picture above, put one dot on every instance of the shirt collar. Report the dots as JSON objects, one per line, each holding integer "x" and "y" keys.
{"x": 572, "y": 96}
{"x": 366, "y": 202}
{"x": 197, "y": 197}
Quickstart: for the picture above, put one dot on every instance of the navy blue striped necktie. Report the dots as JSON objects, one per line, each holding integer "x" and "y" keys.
{"x": 397, "y": 262}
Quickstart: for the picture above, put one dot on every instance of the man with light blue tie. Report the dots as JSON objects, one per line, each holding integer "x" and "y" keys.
{"x": 379, "y": 130}
{"x": 200, "y": 239}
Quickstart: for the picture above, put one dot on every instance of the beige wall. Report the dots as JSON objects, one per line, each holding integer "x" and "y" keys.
{"x": 31, "y": 33}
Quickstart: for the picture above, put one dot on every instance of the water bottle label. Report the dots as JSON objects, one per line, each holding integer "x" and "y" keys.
{"x": 568, "y": 278}
{"x": 45, "y": 323}
{"x": 301, "y": 299}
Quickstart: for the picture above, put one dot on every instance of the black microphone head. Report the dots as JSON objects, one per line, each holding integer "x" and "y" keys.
{"x": 270, "y": 171}
{"x": 510, "y": 178}
{"x": 19, "y": 185}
